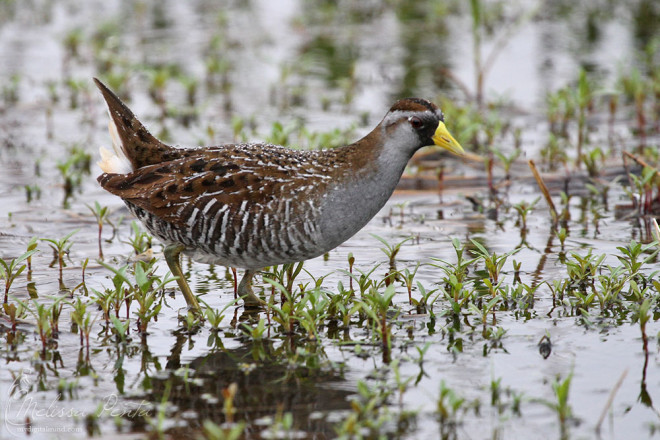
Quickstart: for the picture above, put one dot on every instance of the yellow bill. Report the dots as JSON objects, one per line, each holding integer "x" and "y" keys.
{"x": 442, "y": 138}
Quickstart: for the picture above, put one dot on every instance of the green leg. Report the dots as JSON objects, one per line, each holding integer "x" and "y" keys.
{"x": 233, "y": 271}
{"x": 245, "y": 291}
{"x": 172, "y": 253}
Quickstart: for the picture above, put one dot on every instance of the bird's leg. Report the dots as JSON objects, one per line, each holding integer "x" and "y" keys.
{"x": 172, "y": 253}
{"x": 245, "y": 290}
{"x": 233, "y": 271}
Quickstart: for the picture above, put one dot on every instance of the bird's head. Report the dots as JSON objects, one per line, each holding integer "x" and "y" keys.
{"x": 413, "y": 123}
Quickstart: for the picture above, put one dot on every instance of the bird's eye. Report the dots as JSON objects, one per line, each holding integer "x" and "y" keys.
{"x": 415, "y": 122}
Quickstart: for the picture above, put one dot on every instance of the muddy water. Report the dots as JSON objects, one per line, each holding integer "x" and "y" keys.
{"x": 289, "y": 63}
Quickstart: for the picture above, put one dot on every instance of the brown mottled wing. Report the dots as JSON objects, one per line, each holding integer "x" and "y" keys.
{"x": 171, "y": 190}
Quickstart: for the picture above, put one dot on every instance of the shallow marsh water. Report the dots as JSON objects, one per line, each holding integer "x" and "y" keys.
{"x": 326, "y": 66}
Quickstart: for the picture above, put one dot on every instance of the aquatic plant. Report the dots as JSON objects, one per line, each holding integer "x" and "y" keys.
{"x": 560, "y": 405}
{"x": 103, "y": 300}
{"x": 100, "y": 214}
{"x": 523, "y": 209}
{"x": 225, "y": 431}
{"x": 60, "y": 248}
{"x": 493, "y": 263}
{"x": 285, "y": 315}
{"x": 43, "y": 317}
{"x": 140, "y": 240}
{"x": 408, "y": 278}
{"x": 147, "y": 284}
{"x": 368, "y": 414}
{"x": 9, "y": 271}
{"x": 14, "y": 313}
{"x": 72, "y": 170}
{"x": 507, "y": 160}
{"x": 375, "y": 305}
{"x": 78, "y": 315}
{"x": 450, "y": 408}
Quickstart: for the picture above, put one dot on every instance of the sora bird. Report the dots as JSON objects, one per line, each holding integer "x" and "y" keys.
{"x": 257, "y": 205}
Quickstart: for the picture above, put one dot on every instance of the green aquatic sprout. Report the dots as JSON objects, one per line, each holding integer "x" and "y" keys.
{"x": 449, "y": 405}
{"x": 157, "y": 423}
{"x": 72, "y": 42}
{"x": 368, "y": 413}
{"x": 610, "y": 286}
{"x": 402, "y": 211}
{"x": 43, "y": 317}
{"x": 60, "y": 248}
{"x": 458, "y": 270}
{"x": 516, "y": 271}
{"x": 340, "y": 305}
{"x": 285, "y": 315}
{"x": 213, "y": 316}
{"x": 642, "y": 199}
{"x": 375, "y": 305}
{"x": 120, "y": 328}
{"x": 483, "y": 311}
{"x": 78, "y": 315}
{"x": 408, "y": 278}
{"x": 523, "y": 209}
{"x": 31, "y": 247}
{"x": 562, "y": 234}
{"x": 192, "y": 322}
{"x": 351, "y": 263}
{"x": 76, "y": 88}
{"x": 401, "y": 384}
{"x": 159, "y": 78}
{"x": 311, "y": 312}
{"x": 280, "y": 134}
{"x": 103, "y": 300}
{"x": 145, "y": 293}
{"x": 560, "y": 405}
{"x": 14, "y": 313}
{"x": 592, "y": 161}
{"x": 255, "y": 333}
{"x": 225, "y": 431}
{"x": 78, "y": 163}
{"x": 583, "y": 269}
{"x": 364, "y": 280}
{"x": 554, "y": 152}
{"x": 140, "y": 240}
{"x": 635, "y": 255}
{"x": 282, "y": 425}
{"x": 391, "y": 251}
{"x": 55, "y": 312}
{"x": 9, "y": 271}
{"x": 100, "y": 214}
{"x": 507, "y": 160}
{"x": 191, "y": 85}
{"x": 10, "y": 89}
{"x": 32, "y": 192}
{"x": 292, "y": 271}
{"x": 424, "y": 303}
{"x": 494, "y": 263}
{"x": 285, "y": 275}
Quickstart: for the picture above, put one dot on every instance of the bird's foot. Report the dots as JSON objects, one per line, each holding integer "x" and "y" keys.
{"x": 250, "y": 299}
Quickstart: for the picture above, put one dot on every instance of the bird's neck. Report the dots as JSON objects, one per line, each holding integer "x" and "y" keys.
{"x": 362, "y": 190}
